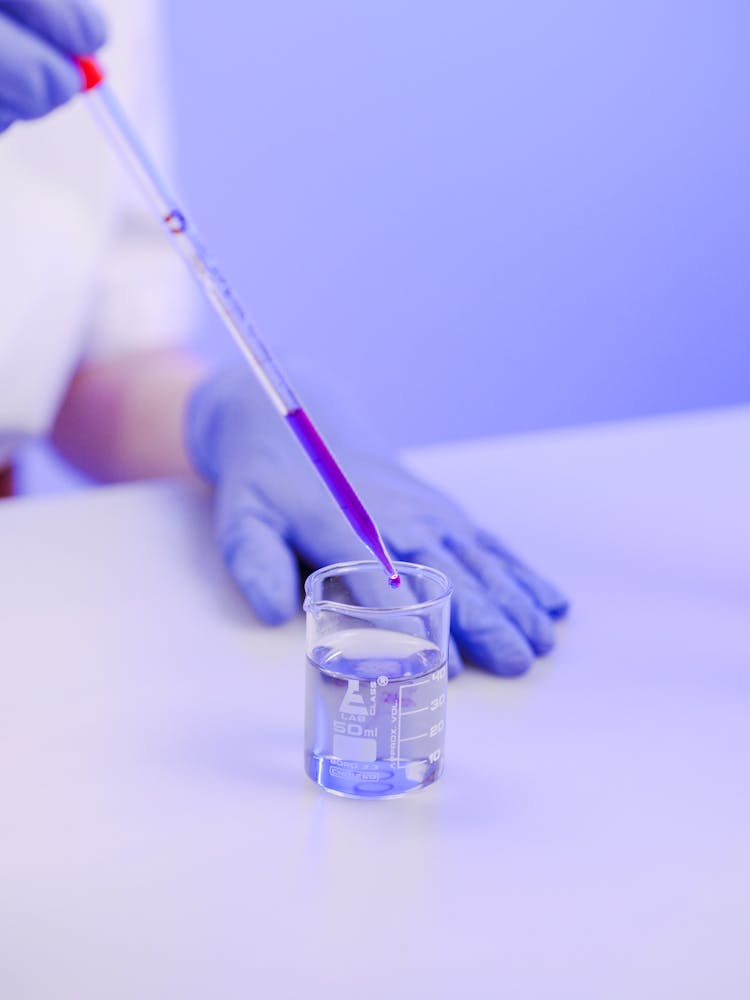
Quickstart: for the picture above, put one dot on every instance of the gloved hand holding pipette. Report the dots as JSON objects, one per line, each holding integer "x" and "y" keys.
{"x": 36, "y": 74}
{"x": 122, "y": 416}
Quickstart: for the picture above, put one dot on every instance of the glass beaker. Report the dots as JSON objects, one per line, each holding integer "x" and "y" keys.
{"x": 376, "y": 678}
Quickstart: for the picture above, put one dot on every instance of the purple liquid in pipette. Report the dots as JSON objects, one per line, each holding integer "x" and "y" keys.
{"x": 350, "y": 504}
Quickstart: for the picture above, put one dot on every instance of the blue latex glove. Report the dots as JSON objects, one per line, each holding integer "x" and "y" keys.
{"x": 37, "y": 38}
{"x": 271, "y": 508}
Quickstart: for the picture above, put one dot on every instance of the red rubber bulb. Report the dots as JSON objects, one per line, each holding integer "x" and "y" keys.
{"x": 91, "y": 72}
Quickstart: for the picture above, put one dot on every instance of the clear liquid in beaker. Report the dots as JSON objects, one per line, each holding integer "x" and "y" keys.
{"x": 374, "y": 713}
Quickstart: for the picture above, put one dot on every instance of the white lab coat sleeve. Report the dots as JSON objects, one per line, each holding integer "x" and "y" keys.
{"x": 144, "y": 297}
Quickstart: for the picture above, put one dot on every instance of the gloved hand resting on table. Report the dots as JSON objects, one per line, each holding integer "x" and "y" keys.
{"x": 271, "y": 507}
{"x": 37, "y": 38}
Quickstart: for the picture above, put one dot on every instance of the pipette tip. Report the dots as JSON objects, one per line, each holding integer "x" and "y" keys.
{"x": 395, "y": 580}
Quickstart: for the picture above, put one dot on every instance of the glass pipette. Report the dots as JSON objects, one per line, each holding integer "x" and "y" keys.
{"x": 113, "y": 121}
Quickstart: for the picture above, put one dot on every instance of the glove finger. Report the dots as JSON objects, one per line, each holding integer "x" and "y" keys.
{"x": 504, "y": 591}
{"x": 34, "y": 77}
{"x": 256, "y": 554}
{"x": 482, "y": 631}
{"x": 76, "y": 26}
{"x": 554, "y": 602}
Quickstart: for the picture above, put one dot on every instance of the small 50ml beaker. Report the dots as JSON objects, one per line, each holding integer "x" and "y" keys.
{"x": 376, "y": 678}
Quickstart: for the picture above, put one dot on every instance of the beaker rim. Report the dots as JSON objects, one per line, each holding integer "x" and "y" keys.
{"x": 405, "y": 569}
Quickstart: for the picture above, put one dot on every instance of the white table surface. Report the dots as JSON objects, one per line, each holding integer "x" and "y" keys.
{"x": 590, "y": 836}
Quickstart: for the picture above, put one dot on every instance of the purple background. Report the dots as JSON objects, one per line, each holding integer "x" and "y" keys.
{"x": 509, "y": 216}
